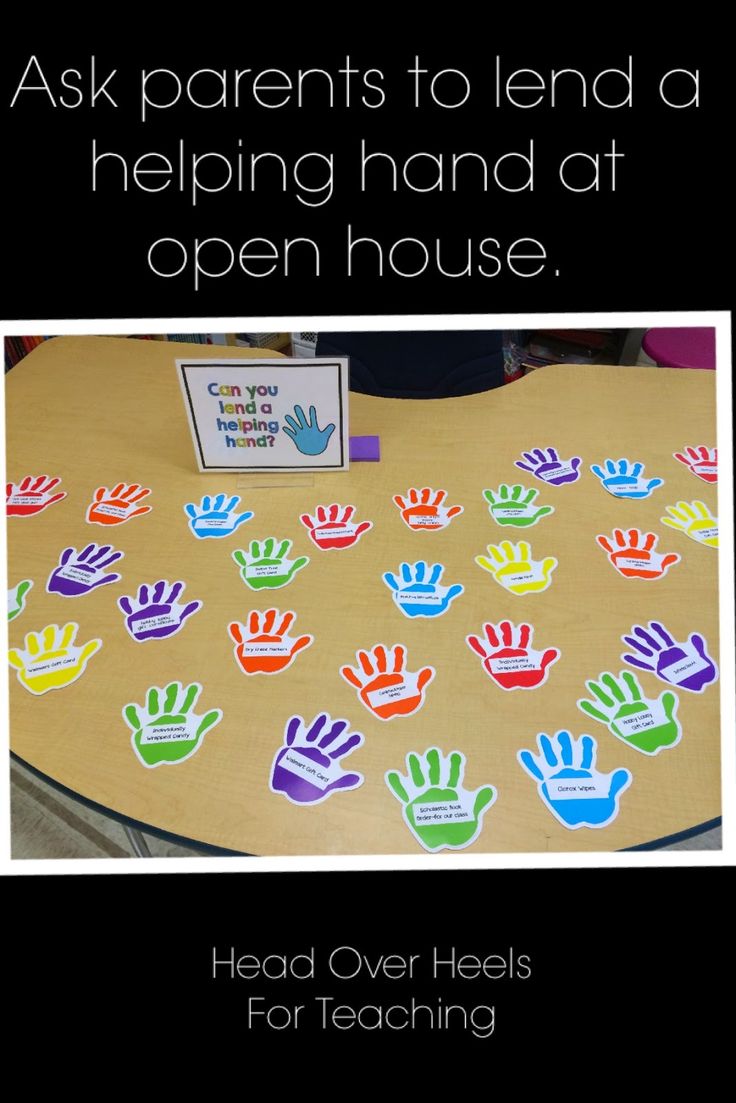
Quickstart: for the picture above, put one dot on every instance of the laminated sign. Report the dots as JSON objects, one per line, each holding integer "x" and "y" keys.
{"x": 267, "y": 415}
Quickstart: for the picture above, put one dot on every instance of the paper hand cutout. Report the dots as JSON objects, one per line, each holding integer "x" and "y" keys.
{"x": 633, "y": 554}
{"x": 168, "y": 730}
{"x": 512, "y": 566}
{"x": 567, "y": 781}
{"x": 17, "y": 598}
{"x": 508, "y": 656}
{"x": 331, "y": 529}
{"x": 31, "y": 495}
{"x": 695, "y": 520}
{"x": 265, "y": 646}
{"x": 625, "y": 480}
{"x": 685, "y": 665}
{"x": 50, "y": 659}
{"x": 156, "y": 614}
{"x": 424, "y": 511}
{"x": 547, "y": 466}
{"x": 646, "y": 724}
{"x": 307, "y": 768}
{"x": 79, "y": 573}
{"x": 114, "y": 507}
{"x": 440, "y": 813}
{"x": 265, "y": 566}
{"x": 702, "y": 461}
{"x": 215, "y": 516}
{"x": 515, "y": 506}
{"x": 418, "y": 592}
{"x": 384, "y": 686}
{"x": 307, "y": 435}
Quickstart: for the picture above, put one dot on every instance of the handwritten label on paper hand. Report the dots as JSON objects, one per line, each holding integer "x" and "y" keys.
{"x": 50, "y": 659}
{"x": 265, "y": 646}
{"x": 625, "y": 480}
{"x": 645, "y": 724}
{"x": 512, "y": 566}
{"x": 166, "y": 731}
{"x": 685, "y": 665}
{"x": 418, "y": 592}
{"x": 633, "y": 554}
{"x": 156, "y": 613}
{"x": 384, "y": 685}
{"x": 509, "y": 658}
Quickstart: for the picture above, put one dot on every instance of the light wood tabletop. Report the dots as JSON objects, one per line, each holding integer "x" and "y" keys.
{"x": 96, "y": 411}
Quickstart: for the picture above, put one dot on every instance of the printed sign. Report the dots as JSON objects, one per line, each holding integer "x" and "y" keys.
{"x": 267, "y": 415}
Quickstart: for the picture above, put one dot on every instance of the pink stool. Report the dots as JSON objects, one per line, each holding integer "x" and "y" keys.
{"x": 681, "y": 348}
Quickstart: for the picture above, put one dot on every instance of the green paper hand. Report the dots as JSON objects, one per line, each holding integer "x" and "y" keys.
{"x": 645, "y": 724}
{"x": 170, "y": 731}
{"x": 515, "y": 506}
{"x": 17, "y": 598}
{"x": 438, "y": 810}
{"x": 265, "y": 566}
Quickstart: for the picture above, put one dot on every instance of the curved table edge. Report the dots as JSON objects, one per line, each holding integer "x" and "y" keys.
{"x": 218, "y": 851}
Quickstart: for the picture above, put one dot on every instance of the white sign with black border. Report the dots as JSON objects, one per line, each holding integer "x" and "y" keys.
{"x": 266, "y": 414}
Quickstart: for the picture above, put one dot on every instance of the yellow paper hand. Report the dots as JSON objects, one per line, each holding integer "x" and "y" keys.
{"x": 513, "y": 568}
{"x": 50, "y": 659}
{"x": 695, "y": 520}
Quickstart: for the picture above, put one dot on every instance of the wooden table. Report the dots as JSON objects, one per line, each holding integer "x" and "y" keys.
{"x": 99, "y": 410}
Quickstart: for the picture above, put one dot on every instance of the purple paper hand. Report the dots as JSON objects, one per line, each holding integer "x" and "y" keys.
{"x": 155, "y": 614}
{"x": 79, "y": 573}
{"x": 549, "y": 467}
{"x": 306, "y": 769}
{"x": 687, "y": 665}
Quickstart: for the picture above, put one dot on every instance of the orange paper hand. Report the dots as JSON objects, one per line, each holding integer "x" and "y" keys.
{"x": 265, "y": 647}
{"x": 633, "y": 554}
{"x": 424, "y": 510}
{"x": 114, "y": 507}
{"x": 384, "y": 686}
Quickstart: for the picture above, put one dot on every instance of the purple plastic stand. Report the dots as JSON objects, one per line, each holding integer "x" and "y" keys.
{"x": 365, "y": 449}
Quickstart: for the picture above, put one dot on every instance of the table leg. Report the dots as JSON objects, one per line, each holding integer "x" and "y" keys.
{"x": 137, "y": 841}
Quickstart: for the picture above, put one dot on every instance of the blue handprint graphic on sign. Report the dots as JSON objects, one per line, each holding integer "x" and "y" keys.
{"x": 574, "y": 791}
{"x": 215, "y": 516}
{"x": 625, "y": 480}
{"x": 307, "y": 435}
{"x": 418, "y": 592}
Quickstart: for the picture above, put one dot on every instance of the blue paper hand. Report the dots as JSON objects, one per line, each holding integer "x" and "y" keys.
{"x": 418, "y": 592}
{"x": 574, "y": 791}
{"x": 625, "y": 480}
{"x": 215, "y": 516}
{"x": 307, "y": 435}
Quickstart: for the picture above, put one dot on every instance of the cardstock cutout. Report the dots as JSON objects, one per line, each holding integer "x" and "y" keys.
{"x": 82, "y": 572}
{"x": 509, "y": 658}
{"x": 265, "y": 646}
{"x": 308, "y": 769}
{"x": 265, "y": 565}
{"x": 50, "y": 659}
{"x": 156, "y": 613}
{"x": 701, "y": 461}
{"x": 17, "y": 598}
{"x": 418, "y": 592}
{"x": 31, "y": 495}
{"x": 215, "y": 516}
{"x": 422, "y": 510}
{"x": 545, "y": 464}
{"x": 331, "y": 527}
{"x": 684, "y": 665}
{"x": 166, "y": 730}
{"x": 386, "y": 688}
{"x": 438, "y": 810}
{"x": 647, "y": 724}
{"x": 515, "y": 506}
{"x": 695, "y": 520}
{"x": 512, "y": 567}
{"x": 625, "y": 480}
{"x": 568, "y": 783}
{"x": 633, "y": 554}
{"x": 118, "y": 504}
{"x": 305, "y": 434}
